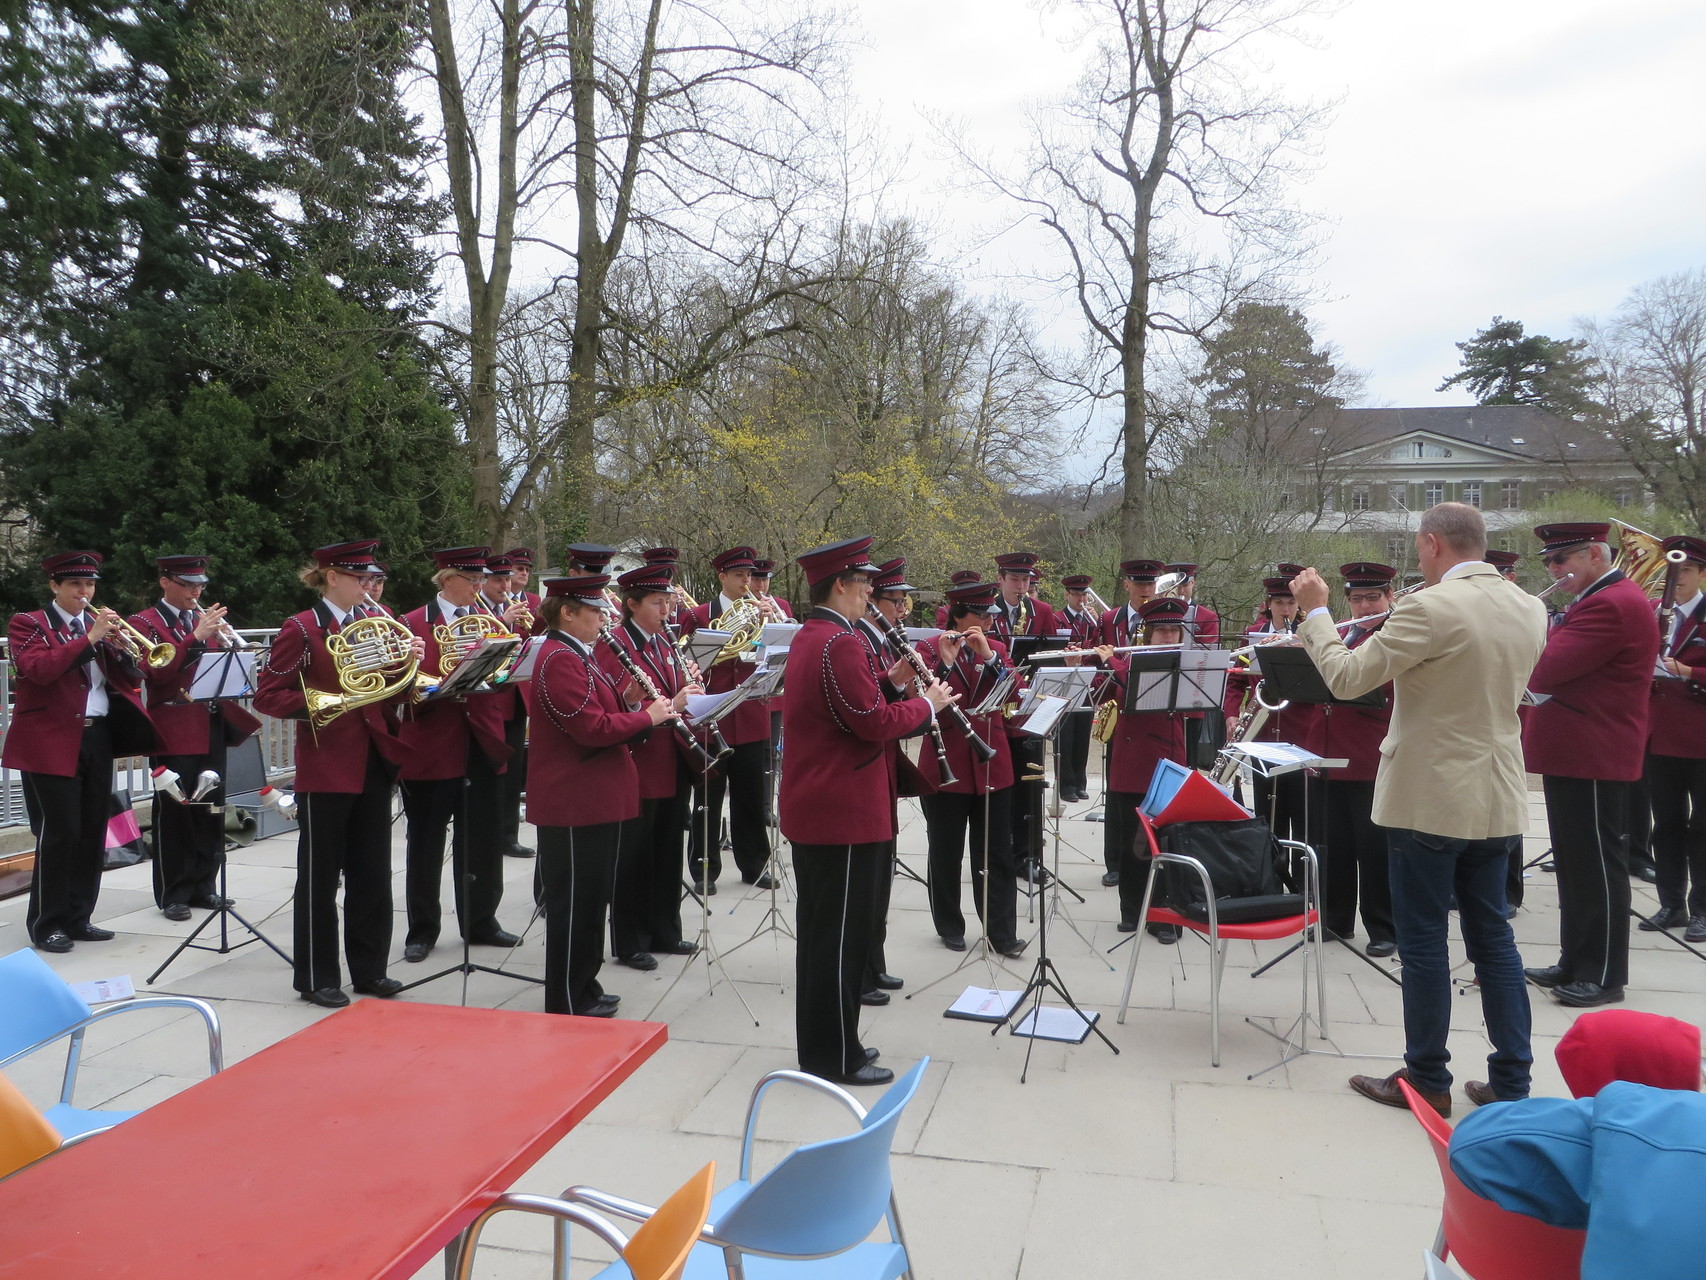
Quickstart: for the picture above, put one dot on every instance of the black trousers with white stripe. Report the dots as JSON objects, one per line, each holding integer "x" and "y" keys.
{"x": 347, "y": 834}
{"x": 577, "y": 866}
{"x": 837, "y": 887}
{"x": 69, "y": 819}
{"x": 1588, "y": 820}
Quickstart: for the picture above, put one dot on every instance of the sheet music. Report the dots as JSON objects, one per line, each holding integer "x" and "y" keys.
{"x": 700, "y": 705}
{"x": 522, "y": 671}
{"x": 223, "y": 673}
{"x": 998, "y": 696}
{"x": 1071, "y": 684}
{"x": 1043, "y": 719}
{"x": 779, "y": 635}
{"x": 703, "y": 646}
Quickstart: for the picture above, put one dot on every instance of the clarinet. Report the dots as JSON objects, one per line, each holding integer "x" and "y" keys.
{"x": 956, "y": 717}
{"x": 719, "y": 748}
{"x": 700, "y": 758}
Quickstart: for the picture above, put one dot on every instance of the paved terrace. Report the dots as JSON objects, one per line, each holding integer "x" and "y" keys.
{"x": 1152, "y": 1161}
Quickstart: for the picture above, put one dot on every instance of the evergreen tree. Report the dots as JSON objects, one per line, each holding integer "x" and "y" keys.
{"x": 1503, "y": 365}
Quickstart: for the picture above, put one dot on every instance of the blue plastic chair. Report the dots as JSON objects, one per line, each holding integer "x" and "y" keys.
{"x": 37, "y": 1008}
{"x": 810, "y": 1216}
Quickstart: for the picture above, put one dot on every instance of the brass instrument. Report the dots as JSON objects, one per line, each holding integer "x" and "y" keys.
{"x": 1641, "y": 557}
{"x": 1253, "y": 714}
{"x": 683, "y": 596}
{"x": 1095, "y": 601}
{"x": 375, "y": 660}
{"x": 1674, "y": 560}
{"x": 1168, "y": 583}
{"x": 137, "y": 646}
{"x": 744, "y": 621}
{"x": 461, "y": 636}
{"x": 1106, "y": 722}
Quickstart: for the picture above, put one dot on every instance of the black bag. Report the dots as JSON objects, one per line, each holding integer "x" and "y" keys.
{"x": 1242, "y": 861}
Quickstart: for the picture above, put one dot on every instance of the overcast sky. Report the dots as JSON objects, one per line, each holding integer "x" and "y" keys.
{"x": 1528, "y": 158}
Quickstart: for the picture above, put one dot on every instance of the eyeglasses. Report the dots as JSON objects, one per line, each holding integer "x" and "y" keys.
{"x": 1558, "y": 557}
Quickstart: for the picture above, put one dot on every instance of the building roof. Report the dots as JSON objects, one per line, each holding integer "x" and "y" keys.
{"x": 1519, "y": 429}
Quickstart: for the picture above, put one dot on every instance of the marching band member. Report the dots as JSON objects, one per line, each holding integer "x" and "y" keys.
{"x": 1587, "y": 741}
{"x": 1353, "y": 855}
{"x": 344, "y": 771}
{"x": 1019, "y": 613}
{"x": 763, "y": 570}
{"x": 1505, "y": 562}
{"x": 1120, "y": 625}
{"x": 494, "y": 592}
{"x": 376, "y": 590}
{"x": 1202, "y": 624}
{"x": 742, "y": 774}
{"x": 1676, "y": 755}
{"x": 970, "y": 666}
{"x": 958, "y": 578}
{"x": 677, "y": 595}
{"x": 1141, "y": 741}
{"x": 189, "y": 840}
{"x": 891, "y": 594}
{"x": 452, "y": 771}
{"x": 645, "y": 910}
{"x": 1281, "y": 802}
{"x": 1085, "y": 633}
{"x": 582, "y": 786}
{"x": 522, "y": 559}
{"x": 76, "y": 707}
{"x": 837, "y": 810}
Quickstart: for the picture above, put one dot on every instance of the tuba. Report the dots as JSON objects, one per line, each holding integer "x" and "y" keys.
{"x": 1641, "y": 557}
{"x": 460, "y": 637}
{"x": 374, "y": 662}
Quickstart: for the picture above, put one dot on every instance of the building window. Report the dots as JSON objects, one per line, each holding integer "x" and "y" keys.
{"x": 1398, "y": 497}
{"x": 1329, "y": 499}
{"x": 1433, "y": 493}
{"x": 1472, "y": 492}
{"x": 1510, "y": 495}
{"x": 1546, "y": 495}
{"x": 1507, "y": 543}
{"x": 1625, "y": 497}
{"x": 1395, "y": 549}
{"x": 1359, "y": 497}
{"x": 1417, "y": 449}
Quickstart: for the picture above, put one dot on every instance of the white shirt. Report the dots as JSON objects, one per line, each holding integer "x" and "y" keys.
{"x": 1683, "y": 613}
{"x": 447, "y": 611}
{"x": 96, "y": 703}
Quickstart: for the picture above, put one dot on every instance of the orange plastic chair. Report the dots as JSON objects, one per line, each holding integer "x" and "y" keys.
{"x": 657, "y": 1251}
{"x": 1489, "y": 1242}
{"x": 25, "y": 1134}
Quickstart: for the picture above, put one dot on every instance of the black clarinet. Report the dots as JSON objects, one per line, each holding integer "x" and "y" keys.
{"x": 956, "y": 717}
{"x": 699, "y": 757}
{"x": 719, "y": 747}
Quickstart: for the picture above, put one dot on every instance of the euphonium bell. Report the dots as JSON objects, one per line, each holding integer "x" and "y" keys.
{"x": 461, "y": 637}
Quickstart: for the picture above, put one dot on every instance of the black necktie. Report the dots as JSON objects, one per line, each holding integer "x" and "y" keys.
{"x": 189, "y": 619}
{"x": 75, "y": 627}
{"x": 462, "y": 611}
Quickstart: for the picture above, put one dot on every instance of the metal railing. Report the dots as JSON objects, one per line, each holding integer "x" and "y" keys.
{"x": 277, "y": 741}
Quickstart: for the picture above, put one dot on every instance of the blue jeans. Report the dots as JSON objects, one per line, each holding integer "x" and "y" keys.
{"x": 1426, "y": 870}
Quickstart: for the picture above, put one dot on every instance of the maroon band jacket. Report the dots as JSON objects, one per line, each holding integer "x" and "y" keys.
{"x": 183, "y": 726}
{"x": 51, "y": 691}
{"x": 580, "y": 772}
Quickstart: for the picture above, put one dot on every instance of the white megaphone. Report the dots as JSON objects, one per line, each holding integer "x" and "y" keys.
{"x": 166, "y": 783}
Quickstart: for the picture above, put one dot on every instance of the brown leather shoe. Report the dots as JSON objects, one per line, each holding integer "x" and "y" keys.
{"x": 1388, "y": 1093}
{"x": 1479, "y": 1092}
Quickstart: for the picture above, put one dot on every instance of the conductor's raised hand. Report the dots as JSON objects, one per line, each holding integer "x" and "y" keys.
{"x": 1310, "y": 589}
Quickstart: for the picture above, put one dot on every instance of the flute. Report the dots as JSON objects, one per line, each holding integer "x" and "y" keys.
{"x": 700, "y": 758}
{"x": 956, "y": 717}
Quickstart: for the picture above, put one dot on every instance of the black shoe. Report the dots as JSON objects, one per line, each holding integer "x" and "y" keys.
{"x": 1110, "y": 879}
{"x": 644, "y": 961}
{"x": 1511, "y": 908}
{"x": 176, "y": 911}
{"x": 1381, "y": 949}
{"x": 888, "y": 982}
{"x": 497, "y": 938}
{"x": 871, "y": 1055}
{"x": 212, "y": 902}
{"x": 763, "y": 882}
{"x": 1128, "y": 926}
{"x": 57, "y": 942}
{"x": 597, "y": 1011}
{"x": 415, "y": 952}
{"x": 1696, "y": 931}
{"x": 1587, "y": 995}
{"x": 1012, "y": 950}
{"x": 1551, "y": 976}
{"x": 326, "y": 997}
{"x": 609, "y": 999}
{"x": 91, "y": 933}
{"x": 1165, "y": 934}
{"x": 1646, "y": 872}
{"x": 686, "y": 947}
{"x": 870, "y": 1073}
{"x": 1550, "y": 867}
{"x": 705, "y": 890}
{"x": 518, "y": 851}
{"x": 384, "y": 988}
{"x": 955, "y": 943}
{"x": 874, "y": 997}
{"x": 1664, "y": 918}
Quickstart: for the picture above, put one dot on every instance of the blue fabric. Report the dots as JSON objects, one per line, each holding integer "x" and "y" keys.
{"x": 1629, "y": 1164}
{"x": 1426, "y": 871}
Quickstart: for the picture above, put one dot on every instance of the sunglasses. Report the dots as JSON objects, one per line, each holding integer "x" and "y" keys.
{"x": 1559, "y": 557}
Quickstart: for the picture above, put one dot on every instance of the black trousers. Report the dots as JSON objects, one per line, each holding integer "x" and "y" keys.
{"x": 1588, "y": 820}
{"x": 69, "y": 819}
{"x": 1679, "y": 831}
{"x": 578, "y": 867}
{"x": 645, "y": 907}
{"x": 189, "y": 839}
{"x": 473, "y": 804}
{"x": 1074, "y": 745}
{"x": 837, "y": 887}
{"x": 948, "y": 815}
{"x": 1282, "y": 802}
{"x": 347, "y": 835}
{"x": 1025, "y": 799}
{"x": 512, "y": 782}
{"x": 1121, "y": 835}
{"x": 1353, "y": 862}
{"x": 876, "y": 959}
{"x": 744, "y": 778}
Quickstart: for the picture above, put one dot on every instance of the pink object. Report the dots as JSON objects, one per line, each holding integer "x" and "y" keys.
{"x": 359, "y": 1146}
{"x": 122, "y": 828}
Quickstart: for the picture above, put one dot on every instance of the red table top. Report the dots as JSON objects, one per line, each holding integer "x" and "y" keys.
{"x": 357, "y": 1147}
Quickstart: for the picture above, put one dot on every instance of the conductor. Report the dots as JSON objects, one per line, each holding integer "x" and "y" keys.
{"x": 1450, "y": 790}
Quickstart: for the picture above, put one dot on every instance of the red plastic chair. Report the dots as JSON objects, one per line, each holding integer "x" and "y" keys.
{"x": 1218, "y": 935}
{"x": 1489, "y": 1242}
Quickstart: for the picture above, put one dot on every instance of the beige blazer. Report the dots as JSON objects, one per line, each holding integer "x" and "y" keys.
{"x": 1459, "y": 655}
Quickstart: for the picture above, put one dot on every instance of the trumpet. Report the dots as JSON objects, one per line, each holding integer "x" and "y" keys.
{"x": 136, "y": 646}
{"x": 226, "y": 630}
{"x": 1095, "y": 601}
{"x": 526, "y": 618}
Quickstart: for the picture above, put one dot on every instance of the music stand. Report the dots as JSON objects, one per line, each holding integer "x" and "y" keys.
{"x": 1071, "y": 688}
{"x": 766, "y": 683}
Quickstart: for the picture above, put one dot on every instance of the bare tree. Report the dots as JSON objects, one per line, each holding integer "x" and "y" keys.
{"x": 1160, "y": 179}
{"x": 649, "y": 131}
